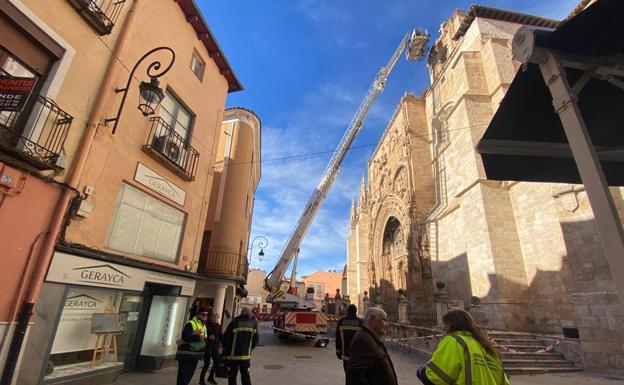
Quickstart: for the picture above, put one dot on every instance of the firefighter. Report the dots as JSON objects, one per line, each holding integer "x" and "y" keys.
{"x": 240, "y": 337}
{"x": 466, "y": 355}
{"x": 346, "y": 329}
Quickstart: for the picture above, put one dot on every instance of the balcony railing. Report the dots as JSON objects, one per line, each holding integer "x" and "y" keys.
{"x": 225, "y": 265}
{"x": 171, "y": 149}
{"x": 37, "y": 138}
{"x": 101, "y": 14}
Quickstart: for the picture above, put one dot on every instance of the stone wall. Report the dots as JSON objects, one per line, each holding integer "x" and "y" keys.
{"x": 529, "y": 251}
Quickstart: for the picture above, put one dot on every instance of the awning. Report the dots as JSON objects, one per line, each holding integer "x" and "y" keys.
{"x": 525, "y": 140}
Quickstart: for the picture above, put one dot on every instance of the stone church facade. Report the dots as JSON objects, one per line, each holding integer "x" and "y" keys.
{"x": 530, "y": 253}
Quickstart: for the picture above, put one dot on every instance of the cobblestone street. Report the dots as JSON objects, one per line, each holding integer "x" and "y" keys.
{"x": 297, "y": 361}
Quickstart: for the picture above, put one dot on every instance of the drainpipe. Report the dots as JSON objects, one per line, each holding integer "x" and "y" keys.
{"x": 44, "y": 257}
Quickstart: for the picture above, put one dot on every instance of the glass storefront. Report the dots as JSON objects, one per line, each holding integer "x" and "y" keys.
{"x": 140, "y": 311}
{"x": 74, "y": 342}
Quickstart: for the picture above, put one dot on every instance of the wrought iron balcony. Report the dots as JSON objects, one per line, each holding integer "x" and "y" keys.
{"x": 37, "y": 137}
{"x": 171, "y": 149}
{"x": 101, "y": 14}
{"x": 220, "y": 264}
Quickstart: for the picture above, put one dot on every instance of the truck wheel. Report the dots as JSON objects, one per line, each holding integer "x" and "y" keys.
{"x": 283, "y": 335}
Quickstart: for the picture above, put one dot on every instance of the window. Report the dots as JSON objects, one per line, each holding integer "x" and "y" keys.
{"x": 173, "y": 112}
{"x": 146, "y": 226}
{"x": 197, "y": 66}
{"x": 11, "y": 66}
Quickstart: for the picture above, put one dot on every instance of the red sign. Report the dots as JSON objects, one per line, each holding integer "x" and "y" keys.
{"x": 14, "y": 92}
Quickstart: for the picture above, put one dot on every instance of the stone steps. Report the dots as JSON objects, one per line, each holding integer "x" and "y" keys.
{"x": 531, "y": 370}
{"x": 523, "y": 348}
{"x": 524, "y": 342}
{"x": 563, "y": 363}
{"x": 522, "y": 356}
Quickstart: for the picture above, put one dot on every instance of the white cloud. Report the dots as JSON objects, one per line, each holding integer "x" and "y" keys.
{"x": 286, "y": 185}
{"x": 323, "y": 11}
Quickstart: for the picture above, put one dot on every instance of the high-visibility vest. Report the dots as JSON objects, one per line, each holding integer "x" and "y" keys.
{"x": 243, "y": 333}
{"x": 347, "y": 327}
{"x": 461, "y": 360}
{"x": 198, "y": 325}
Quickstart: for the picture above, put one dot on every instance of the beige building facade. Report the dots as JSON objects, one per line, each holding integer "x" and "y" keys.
{"x": 107, "y": 230}
{"x": 528, "y": 255}
{"x": 223, "y": 258}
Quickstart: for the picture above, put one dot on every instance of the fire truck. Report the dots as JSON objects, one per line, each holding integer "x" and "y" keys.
{"x": 290, "y": 312}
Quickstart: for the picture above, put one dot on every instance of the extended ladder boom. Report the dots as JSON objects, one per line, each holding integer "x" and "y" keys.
{"x": 273, "y": 280}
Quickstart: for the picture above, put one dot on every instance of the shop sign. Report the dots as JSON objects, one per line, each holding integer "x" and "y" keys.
{"x": 71, "y": 269}
{"x": 14, "y": 91}
{"x": 160, "y": 184}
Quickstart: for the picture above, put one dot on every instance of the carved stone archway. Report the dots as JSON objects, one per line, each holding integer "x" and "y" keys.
{"x": 389, "y": 240}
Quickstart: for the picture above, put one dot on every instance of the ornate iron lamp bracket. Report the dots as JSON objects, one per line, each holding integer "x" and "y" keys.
{"x": 153, "y": 71}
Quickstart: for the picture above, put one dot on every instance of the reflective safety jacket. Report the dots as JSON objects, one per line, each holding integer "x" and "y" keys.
{"x": 239, "y": 338}
{"x": 461, "y": 360}
{"x": 192, "y": 347}
{"x": 346, "y": 329}
{"x": 197, "y": 324}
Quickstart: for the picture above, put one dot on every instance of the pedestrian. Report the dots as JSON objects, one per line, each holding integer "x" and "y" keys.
{"x": 213, "y": 343}
{"x": 240, "y": 337}
{"x": 345, "y": 330}
{"x": 466, "y": 355}
{"x": 191, "y": 346}
{"x": 369, "y": 362}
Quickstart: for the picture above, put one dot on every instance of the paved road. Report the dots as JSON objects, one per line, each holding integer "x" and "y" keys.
{"x": 297, "y": 361}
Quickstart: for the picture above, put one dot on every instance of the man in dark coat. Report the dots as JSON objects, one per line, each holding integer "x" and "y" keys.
{"x": 213, "y": 342}
{"x": 240, "y": 337}
{"x": 345, "y": 330}
{"x": 191, "y": 346}
{"x": 369, "y": 362}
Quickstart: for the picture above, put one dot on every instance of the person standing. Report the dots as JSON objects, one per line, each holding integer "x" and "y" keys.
{"x": 466, "y": 355}
{"x": 213, "y": 342}
{"x": 369, "y": 362}
{"x": 191, "y": 346}
{"x": 240, "y": 337}
{"x": 345, "y": 330}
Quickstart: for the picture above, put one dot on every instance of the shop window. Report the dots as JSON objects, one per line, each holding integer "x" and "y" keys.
{"x": 146, "y": 226}
{"x": 197, "y": 66}
{"x": 74, "y": 342}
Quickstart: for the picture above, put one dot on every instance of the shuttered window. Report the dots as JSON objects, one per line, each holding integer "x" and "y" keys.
{"x": 145, "y": 226}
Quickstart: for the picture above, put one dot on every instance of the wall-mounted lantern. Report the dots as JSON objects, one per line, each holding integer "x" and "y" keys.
{"x": 150, "y": 93}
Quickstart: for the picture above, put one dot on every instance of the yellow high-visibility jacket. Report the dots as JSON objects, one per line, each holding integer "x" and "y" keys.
{"x": 461, "y": 360}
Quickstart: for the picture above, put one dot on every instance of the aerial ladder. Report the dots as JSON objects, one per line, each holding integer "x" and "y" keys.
{"x": 293, "y": 312}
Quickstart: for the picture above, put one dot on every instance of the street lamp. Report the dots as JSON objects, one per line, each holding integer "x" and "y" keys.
{"x": 262, "y": 243}
{"x": 150, "y": 93}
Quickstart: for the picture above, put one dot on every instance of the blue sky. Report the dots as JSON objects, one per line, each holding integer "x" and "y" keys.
{"x": 306, "y": 65}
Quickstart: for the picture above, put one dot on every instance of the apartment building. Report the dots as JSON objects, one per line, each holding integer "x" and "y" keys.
{"x": 110, "y": 124}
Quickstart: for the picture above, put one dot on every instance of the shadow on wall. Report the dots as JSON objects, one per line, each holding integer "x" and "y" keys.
{"x": 579, "y": 295}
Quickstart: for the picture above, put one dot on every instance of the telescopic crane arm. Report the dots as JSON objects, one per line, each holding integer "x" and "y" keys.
{"x": 415, "y": 43}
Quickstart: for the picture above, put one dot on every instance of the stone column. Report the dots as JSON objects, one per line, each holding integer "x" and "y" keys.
{"x": 338, "y": 303}
{"x": 219, "y": 300}
{"x": 402, "y": 307}
{"x": 441, "y": 301}
{"x": 378, "y": 299}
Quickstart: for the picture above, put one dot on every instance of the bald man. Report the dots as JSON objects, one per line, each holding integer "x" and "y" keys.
{"x": 369, "y": 362}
